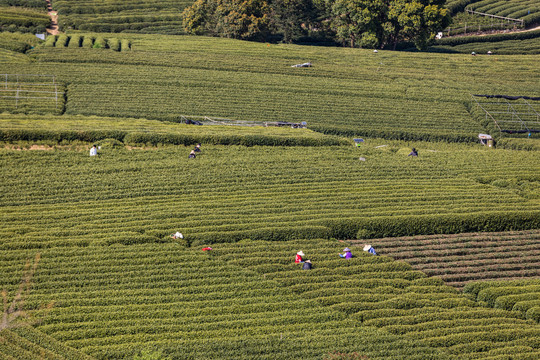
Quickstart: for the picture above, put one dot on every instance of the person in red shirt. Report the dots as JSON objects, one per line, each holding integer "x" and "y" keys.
{"x": 299, "y": 259}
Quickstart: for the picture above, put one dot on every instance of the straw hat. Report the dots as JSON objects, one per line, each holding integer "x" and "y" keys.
{"x": 301, "y": 253}
{"x": 346, "y": 249}
{"x": 308, "y": 261}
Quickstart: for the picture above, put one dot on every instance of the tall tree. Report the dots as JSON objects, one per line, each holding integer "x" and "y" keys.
{"x": 238, "y": 19}
{"x": 358, "y": 22}
{"x": 379, "y": 23}
{"x": 416, "y": 21}
{"x": 293, "y": 18}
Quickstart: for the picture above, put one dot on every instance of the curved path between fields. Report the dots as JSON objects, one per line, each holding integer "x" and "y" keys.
{"x": 53, "y": 28}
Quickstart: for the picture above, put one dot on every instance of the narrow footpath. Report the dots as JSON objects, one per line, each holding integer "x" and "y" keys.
{"x": 53, "y": 28}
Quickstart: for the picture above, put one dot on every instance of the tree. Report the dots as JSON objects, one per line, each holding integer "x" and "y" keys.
{"x": 417, "y": 21}
{"x": 379, "y": 23}
{"x": 358, "y": 21}
{"x": 199, "y": 18}
{"x": 237, "y": 19}
{"x": 292, "y": 18}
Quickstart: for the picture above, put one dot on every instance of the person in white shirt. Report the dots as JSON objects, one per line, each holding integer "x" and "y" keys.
{"x": 93, "y": 151}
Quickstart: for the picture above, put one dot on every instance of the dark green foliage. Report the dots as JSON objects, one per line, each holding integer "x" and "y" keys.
{"x": 88, "y": 42}
{"x": 488, "y": 38}
{"x": 59, "y": 136}
{"x": 114, "y": 44}
{"x": 456, "y": 6}
{"x": 100, "y": 43}
{"x": 246, "y": 20}
{"x": 75, "y": 41}
{"x": 448, "y": 224}
{"x": 534, "y": 314}
{"x": 376, "y": 24}
{"x": 294, "y": 18}
{"x": 26, "y": 20}
{"x": 245, "y": 140}
{"x": 18, "y": 42}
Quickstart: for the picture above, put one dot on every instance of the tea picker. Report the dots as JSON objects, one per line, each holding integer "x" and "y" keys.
{"x": 177, "y": 235}
{"x": 370, "y": 249}
{"x": 347, "y": 255}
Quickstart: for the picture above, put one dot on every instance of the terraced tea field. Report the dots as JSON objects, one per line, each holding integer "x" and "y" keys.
{"x": 161, "y": 16}
{"x": 459, "y": 259}
{"x": 231, "y": 193}
{"x": 250, "y": 300}
{"x": 113, "y": 284}
{"x": 528, "y": 10}
{"x": 348, "y": 91}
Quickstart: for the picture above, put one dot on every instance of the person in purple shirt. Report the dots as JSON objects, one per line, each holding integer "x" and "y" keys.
{"x": 347, "y": 255}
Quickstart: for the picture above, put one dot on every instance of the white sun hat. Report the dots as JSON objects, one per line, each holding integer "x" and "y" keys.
{"x": 301, "y": 253}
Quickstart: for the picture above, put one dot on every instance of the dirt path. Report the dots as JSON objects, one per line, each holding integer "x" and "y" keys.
{"x": 53, "y": 28}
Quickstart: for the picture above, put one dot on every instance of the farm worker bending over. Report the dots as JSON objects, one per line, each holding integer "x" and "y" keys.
{"x": 413, "y": 152}
{"x": 93, "y": 151}
{"x": 299, "y": 259}
{"x": 197, "y": 148}
{"x": 192, "y": 154}
{"x": 347, "y": 254}
{"x": 307, "y": 265}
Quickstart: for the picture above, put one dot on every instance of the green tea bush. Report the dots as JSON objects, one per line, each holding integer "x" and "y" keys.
{"x": 50, "y": 41}
{"x": 533, "y": 314}
{"x": 474, "y": 288}
{"x": 524, "y": 305}
{"x": 453, "y": 41}
{"x": 75, "y": 41}
{"x": 62, "y": 40}
{"x": 87, "y": 42}
{"x": 508, "y": 302}
{"x": 100, "y": 43}
{"x": 490, "y": 295}
{"x": 114, "y": 44}
{"x": 435, "y": 224}
{"x": 125, "y": 45}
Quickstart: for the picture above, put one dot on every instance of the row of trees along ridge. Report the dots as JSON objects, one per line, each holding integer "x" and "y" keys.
{"x": 364, "y": 23}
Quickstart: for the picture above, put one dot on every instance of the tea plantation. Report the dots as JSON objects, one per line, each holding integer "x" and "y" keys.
{"x": 461, "y": 258}
{"x": 89, "y": 270}
{"x": 347, "y": 91}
